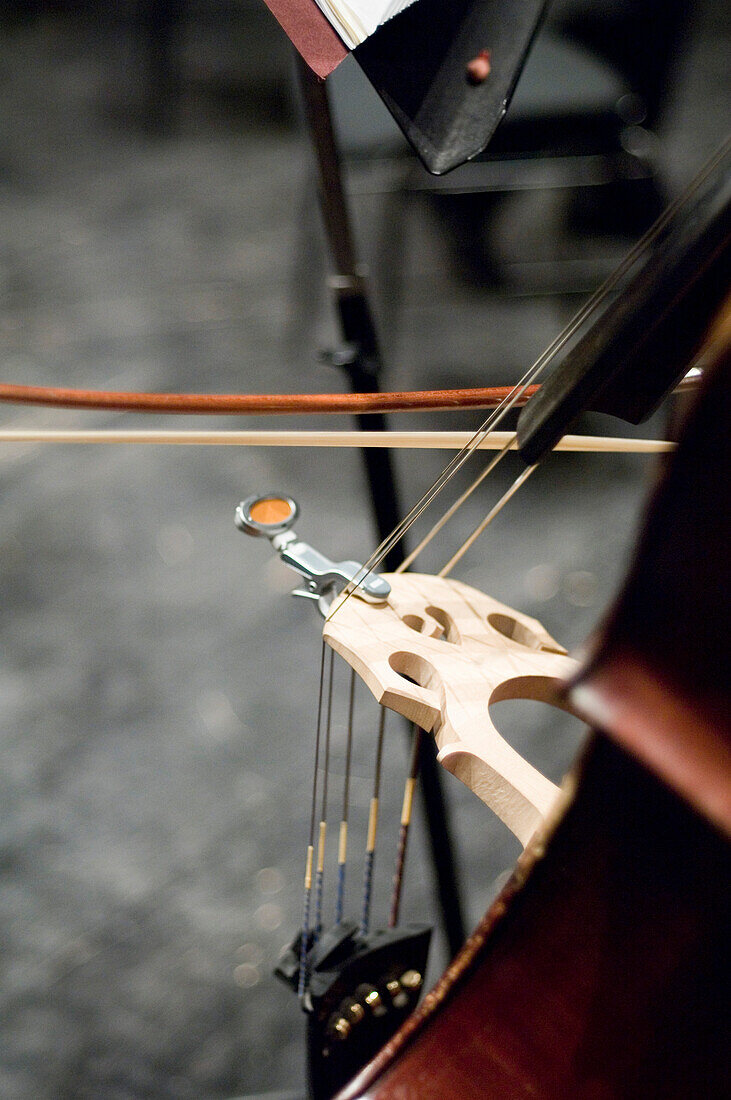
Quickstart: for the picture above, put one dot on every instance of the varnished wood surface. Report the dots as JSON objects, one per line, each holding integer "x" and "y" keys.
{"x": 602, "y": 971}
{"x": 664, "y": 647}
{"x": 271, "y": 404}
{"x": 260, "y": 404}
{"x": 599, "y": 973}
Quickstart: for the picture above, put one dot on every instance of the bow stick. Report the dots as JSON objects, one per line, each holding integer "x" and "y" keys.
{"x": 270, "y": 404}
{"x": 454, "y": 441}
{"x": 260, "y": 404}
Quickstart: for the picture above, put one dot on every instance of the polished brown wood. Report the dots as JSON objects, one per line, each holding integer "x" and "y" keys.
{"x": 599, "y": 973}
{"x": 659, "y": 672}
{"x": 273, "y": 404}
{"x": 260, "y": 404}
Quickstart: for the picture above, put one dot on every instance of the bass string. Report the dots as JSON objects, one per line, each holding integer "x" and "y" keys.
{"x": 446, "y": 517}
{"x": 321, "y": 843}
{"x": 312, "y": 934}
{"x": 343, "y": 838}
{"x": 557, "y": 344}
{"x": 452, "y": 468}
{"x": 372, "y": 829}
{"x": 520, "y": 480}
{"x": 412, "y": 776}
{"x": 309, "y": 857}
{"x": 406, "y": 810}
{"x": 377, "y": 557}
{"x": 494, "y": 511}
{"x": 410, "y": 785}
{"x": 444, "y": 478}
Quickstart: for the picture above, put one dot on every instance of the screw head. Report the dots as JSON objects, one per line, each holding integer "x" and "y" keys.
{"x": 340, "y": 1028}
{"x": 356, "y": 1011}
{"x": 411, "y": 979}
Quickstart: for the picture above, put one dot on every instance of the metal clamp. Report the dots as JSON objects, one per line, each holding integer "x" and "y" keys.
{"x": 272, "y": 515}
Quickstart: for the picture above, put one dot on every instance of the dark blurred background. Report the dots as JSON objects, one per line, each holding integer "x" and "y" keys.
{"x": 159, "y": 231}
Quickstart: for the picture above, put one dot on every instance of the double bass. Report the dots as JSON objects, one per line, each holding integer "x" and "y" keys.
{"x": 600, "y": 970}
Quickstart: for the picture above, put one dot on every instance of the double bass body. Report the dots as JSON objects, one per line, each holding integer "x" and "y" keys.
{"x": 601, "y": 970}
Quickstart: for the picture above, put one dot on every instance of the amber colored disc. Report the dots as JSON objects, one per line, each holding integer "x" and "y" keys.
{"x": 270, "y": 510}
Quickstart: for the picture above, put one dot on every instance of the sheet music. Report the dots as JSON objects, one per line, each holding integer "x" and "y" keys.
{"x": 356, "y": 20}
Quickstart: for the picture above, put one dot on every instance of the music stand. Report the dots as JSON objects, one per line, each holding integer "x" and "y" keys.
{"x": 417, "y": 63}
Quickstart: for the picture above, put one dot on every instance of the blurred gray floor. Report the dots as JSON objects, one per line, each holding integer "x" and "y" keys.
{"x": 157, "y": 684}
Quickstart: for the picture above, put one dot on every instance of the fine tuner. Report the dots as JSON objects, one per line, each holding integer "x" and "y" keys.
{"x": 272, "y": 516}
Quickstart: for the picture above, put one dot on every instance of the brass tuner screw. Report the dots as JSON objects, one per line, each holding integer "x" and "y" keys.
{"x": 372, "y": 999}
{"x": 398, "y": 995}
{"x": 411, "y": 980}
{"x": 355, "y": 1011}
{"x": 340, "y": 1028}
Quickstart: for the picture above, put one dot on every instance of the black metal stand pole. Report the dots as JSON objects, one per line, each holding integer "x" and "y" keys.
{"x": 361, "y": 360}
